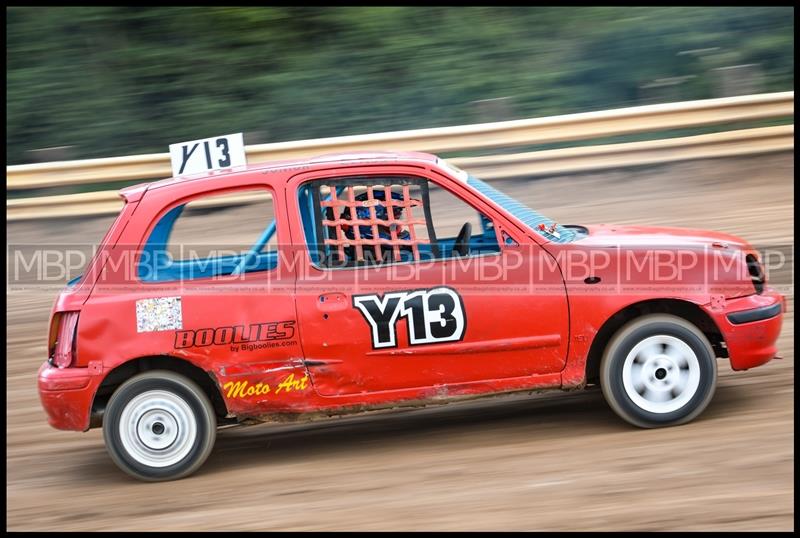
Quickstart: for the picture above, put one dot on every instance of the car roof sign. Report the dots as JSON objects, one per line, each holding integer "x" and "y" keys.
{"x": 207, "y": 154}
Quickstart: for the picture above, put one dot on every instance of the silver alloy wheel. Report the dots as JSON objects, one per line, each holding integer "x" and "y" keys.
{"x": 661, "y": 374}
{"x": 157, "y": 428}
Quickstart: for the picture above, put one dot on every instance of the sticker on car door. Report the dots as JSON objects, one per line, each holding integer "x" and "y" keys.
{"x": 434, "y": 316}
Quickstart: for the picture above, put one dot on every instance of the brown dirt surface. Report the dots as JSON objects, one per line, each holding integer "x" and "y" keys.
{"x": 554, "y": 461}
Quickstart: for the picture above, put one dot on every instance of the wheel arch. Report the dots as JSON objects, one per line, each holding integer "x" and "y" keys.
{"x": 687, "y": 310}
{"x": 124, "y": 371}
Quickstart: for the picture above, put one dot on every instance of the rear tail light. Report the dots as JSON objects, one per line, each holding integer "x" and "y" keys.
{"x": 62, "y": 338}
{"x": 756, "y": 273}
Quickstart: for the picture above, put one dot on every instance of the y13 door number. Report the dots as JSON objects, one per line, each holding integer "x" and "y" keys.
{"x": 434, "y": 315}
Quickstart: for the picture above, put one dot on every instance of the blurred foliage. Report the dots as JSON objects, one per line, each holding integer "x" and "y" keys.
{"x": 123, "y": 80}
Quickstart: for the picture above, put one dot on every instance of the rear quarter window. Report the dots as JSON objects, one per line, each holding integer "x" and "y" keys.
{"x": 211, "y": 236}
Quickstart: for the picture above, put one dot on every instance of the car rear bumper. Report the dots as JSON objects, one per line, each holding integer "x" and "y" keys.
{"x": 751, "y": 326}
{"x": 66, "y": 395}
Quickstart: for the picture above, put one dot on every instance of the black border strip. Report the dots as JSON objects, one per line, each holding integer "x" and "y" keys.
{"x": 756, "y": 314}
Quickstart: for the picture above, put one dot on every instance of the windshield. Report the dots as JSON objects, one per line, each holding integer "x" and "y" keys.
{"x": 535, "y": 221}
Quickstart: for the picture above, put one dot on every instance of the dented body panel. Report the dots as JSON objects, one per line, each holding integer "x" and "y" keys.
{"x": 302, "y": 340}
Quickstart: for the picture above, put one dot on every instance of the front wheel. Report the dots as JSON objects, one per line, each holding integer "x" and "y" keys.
{"x": 658, "y": 370}
{"x": 159, "y": 425}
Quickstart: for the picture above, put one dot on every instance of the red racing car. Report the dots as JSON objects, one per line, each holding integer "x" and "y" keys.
{"x": 381, "y": 280}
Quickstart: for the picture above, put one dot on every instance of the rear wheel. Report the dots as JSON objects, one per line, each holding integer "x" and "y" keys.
{"x": 658, "y": 370}
{"x": 159, "y": 425}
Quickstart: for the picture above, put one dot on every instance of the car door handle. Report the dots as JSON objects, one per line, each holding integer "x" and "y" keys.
{"x": 332, "y": 301}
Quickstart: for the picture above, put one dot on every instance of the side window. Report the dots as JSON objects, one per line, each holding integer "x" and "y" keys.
{"x": 212, "y": 236}
{"x": 370, "y": 220}
{"x": 450, "y": 215}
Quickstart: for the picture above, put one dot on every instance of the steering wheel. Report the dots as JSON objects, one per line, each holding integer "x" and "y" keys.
{"x": 461, "y": 246}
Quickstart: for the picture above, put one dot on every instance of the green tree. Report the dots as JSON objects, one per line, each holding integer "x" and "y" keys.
{"x": 120, "y": 80}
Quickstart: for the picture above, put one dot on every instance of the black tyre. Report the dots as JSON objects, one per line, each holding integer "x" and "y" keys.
{"x": 159, "y": 425}
{"x": 658, "y": 370}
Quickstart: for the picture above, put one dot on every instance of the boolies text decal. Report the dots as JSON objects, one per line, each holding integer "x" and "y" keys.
{"x": 434, "y": 316}
{"x": 246, "y": 336}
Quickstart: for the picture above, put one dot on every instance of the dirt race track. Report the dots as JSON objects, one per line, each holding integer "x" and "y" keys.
{"x": 554, "y": 461}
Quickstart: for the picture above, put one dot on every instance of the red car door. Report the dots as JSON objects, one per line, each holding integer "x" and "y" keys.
{"x": 499, "y": 312}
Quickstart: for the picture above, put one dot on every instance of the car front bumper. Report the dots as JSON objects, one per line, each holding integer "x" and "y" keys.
{"x": 750, "y": 326}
